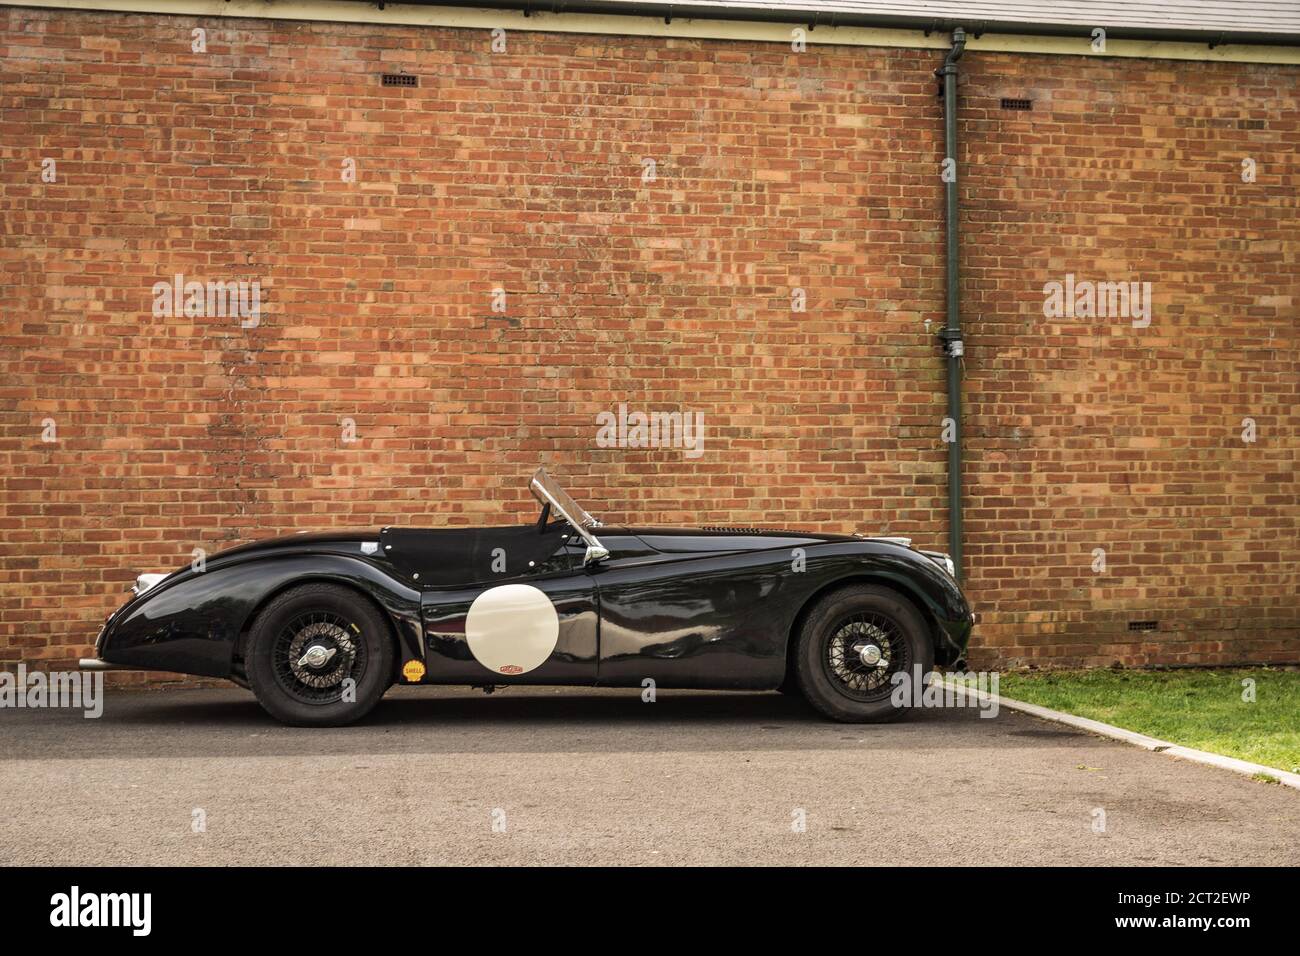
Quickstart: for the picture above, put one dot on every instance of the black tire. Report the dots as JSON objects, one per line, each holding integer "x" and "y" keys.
{"x": 354, "y": 639}
{"x": 829, "y": 667}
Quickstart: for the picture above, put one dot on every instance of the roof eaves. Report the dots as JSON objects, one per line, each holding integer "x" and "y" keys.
{"x": 976, "y": 26}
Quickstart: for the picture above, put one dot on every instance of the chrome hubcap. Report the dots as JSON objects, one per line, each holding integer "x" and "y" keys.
{"x": 321, "y": 654}
{"x": 317, "y": 656}
{"x": 870, "y": 655}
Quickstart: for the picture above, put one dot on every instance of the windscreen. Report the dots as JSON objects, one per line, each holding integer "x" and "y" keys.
{"x": 547, "y": 489}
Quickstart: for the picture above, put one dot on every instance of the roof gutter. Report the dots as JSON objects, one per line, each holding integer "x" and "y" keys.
{"x": 813, "y": 19}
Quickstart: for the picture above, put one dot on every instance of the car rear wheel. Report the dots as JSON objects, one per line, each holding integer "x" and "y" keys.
{"x": 851, "y": 646}
{"x": 319, "y": 655}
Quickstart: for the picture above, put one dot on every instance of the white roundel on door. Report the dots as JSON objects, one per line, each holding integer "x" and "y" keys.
{"x": 512, "y": 629}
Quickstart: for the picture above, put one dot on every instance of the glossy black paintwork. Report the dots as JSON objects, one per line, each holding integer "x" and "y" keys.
{"x": 684, "y": 607}
{"x": 574, "y": 660}
{"x": 695, "y": 617}
{"x": 193, "y": 621}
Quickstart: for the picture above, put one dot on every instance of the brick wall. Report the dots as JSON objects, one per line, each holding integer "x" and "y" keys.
{"x": 773, "y": 172}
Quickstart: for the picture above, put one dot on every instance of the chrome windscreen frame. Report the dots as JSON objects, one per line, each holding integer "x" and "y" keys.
{"x": 583, "y": 524}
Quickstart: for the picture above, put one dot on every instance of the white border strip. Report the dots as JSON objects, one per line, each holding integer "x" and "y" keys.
{"x": 1134, "y": 738}
{"x": 398, "y": 14}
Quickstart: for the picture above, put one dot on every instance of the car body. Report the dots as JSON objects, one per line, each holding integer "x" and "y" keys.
{"x": 562, "y": 601}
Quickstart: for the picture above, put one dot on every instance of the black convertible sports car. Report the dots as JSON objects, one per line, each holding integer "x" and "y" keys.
{"x": 319, "y": 626}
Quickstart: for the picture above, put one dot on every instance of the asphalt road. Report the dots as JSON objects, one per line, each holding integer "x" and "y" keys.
{"x": 543, "y": 776}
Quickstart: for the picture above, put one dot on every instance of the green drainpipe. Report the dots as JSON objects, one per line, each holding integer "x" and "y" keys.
{"x": 951, "y": 334}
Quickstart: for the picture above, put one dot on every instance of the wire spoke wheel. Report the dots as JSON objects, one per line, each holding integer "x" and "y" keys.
{"x": 852, "y": 645}
{"x": 320, "y": 655}
{"x": 863, "y": 652}
{"x": 315, "y": 653}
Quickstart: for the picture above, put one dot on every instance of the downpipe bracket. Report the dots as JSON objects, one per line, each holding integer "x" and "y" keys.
{"x": 953, "y": 344}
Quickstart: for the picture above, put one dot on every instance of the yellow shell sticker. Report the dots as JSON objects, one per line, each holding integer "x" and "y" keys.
{"x": 413, "y": 670}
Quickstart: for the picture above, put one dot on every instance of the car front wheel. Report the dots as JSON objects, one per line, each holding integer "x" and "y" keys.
{"x": 851, "y": 646}
{"x": 319, "y": 655}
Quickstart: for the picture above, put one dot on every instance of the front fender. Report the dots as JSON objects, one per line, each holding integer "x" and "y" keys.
{"x": 192, "y": 622}
{"x": 915, "y": 575}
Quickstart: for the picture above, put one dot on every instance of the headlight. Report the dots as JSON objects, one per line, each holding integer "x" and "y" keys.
{"x": 144, "y": 582}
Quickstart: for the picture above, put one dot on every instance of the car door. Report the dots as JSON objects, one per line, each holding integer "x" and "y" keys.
{"x": 691, "y": 618}
{"x": 527, "y": 616}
